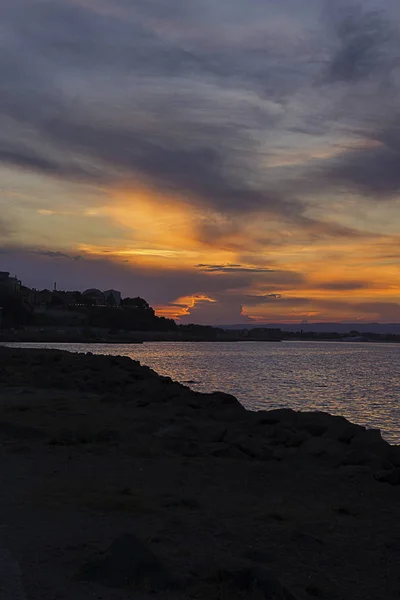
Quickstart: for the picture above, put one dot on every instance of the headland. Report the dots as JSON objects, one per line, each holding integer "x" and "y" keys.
{"x": 118, "y": 483}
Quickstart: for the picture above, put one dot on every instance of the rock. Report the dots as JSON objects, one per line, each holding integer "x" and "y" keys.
{"x": 214, "y": 402}
{"x": 347, "y": 432}
{"x": 394, "y": 456}
{"x": 391, "y": 476}
{"x": 255, "y": 580}
{"x": 11, "y": 585}
{"x": 106, "y": 436}
{"x": 306, "y": 539}
{"x": 281, "y": 452}
{"x": 296, "y": 439}
{"x": 183, "y": 447}
{"x": 287, "y": 436}
{"x": 371, "y": 440}
{"x": 127, "y": 561}
{"x": 223, "y": 450}
{"x": 272, "y": 417}
{"x": 322, "y": 447}
{"x": 358, "y": 457}
{"x": 190, "y": 429}
{"x": 314, "y": 428}
{"x": 355, "y": 470}
{"x": 10, "y": 431}
{"x": 256, "y": 449}
{"x": 329, "y": 426}
{"x": 258, "y": 556}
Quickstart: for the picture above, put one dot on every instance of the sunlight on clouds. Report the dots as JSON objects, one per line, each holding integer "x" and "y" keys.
{"x": 335, "y": 148}
{"x": 158, "y": 225}
{"x": 182, "y": 306}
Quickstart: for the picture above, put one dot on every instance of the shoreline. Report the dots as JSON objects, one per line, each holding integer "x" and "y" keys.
{"x": 117, "y": 449}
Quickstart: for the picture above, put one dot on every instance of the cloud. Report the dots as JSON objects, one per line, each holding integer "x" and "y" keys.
{"x": 363, "y": 37}
{"x": 372, "y": 171}
{"x": 5, "y": 229}
{"x": 39, "y": 268}
{"x": 229, "y": 150}
{"x": 125, "y": 91}
{"x": 159, "y": 113}
{"x": 343, "y": 285}
{"x": 232, "y": 269}
{"x": 57, "y": 254}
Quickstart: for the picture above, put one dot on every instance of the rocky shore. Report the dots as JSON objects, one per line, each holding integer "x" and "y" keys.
{"x": 117, "y": 483}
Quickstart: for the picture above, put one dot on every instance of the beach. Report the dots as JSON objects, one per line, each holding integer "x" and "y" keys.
{"x": 118, "y": 483}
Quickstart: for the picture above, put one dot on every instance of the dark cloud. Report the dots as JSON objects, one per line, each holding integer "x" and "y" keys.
{"x": 232, "y": 268}
{"x": 363, "y": 38}
{"x": 385, "y": 311}
{"x": 40, "y": 268}
{"x": 344, "y": 285}
{"x": 56, "y": 254}
{"x": 6, "y": 230}
{"x": 97, "y": 132}
{"x": 196, "y": 98}
{"x": 372, "y": 172}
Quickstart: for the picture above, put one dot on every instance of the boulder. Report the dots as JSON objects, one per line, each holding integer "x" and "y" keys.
{"x": 190, "y": 429}
{"x": 10, "y": 431}
{"x": 255, "y": 580}
{"x": 329, "y": 426}
{"x": 371, "y": 440}
{"x": 322, "y": 447}
{"x": 358, "y": 457}
{"x": 391, "y": 476}
{"x": 278, "y": 415}
{"x": 224, "y": 450}
{"x": 127, "y": 561}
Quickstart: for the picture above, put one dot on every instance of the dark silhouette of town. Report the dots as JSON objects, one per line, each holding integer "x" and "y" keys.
{"x": 29, "y": 314}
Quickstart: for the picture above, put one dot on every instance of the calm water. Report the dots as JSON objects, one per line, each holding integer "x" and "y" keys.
{"x": 356, "y": 380}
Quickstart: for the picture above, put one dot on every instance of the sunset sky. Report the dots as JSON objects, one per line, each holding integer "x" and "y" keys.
{"x": 228, "y": 160}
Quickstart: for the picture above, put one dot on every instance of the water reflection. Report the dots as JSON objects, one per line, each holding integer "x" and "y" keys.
{"x": 358, "y": 381}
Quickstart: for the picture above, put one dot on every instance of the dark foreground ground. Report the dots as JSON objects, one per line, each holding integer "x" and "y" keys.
{"x": 116, "y": 483}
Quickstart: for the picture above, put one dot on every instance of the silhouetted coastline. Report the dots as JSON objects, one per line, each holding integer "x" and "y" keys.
{"x": 114, "y": 456}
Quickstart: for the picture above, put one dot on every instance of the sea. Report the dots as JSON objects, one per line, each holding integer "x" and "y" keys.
{"x": 360, "y": 381}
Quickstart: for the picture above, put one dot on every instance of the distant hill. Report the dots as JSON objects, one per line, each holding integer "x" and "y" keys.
{"x": 324, "y": 327}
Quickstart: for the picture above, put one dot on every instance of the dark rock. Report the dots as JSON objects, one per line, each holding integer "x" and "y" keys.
{"x": 330, "y": 426}
{"x": 272, "y": 417}
{"x": 348, "y": 432}
{"x": 258, "y": 556}
{"x": 107, "y": 436}
{"x": 286, "y": 436}
{"x": 256, "y": 449}
{"x": 347, "y": 511}
{"x": 281, "y": 452}
{"x": 255, "y": 580}
{"x": 322, "y": 447}
{"x": 188, "y": 429}
{"x": 222, "y": 400}
{"x": 316, "y": 592}
{"x": 10, "y": 431}
{"x": 359, "y": 457}
{"x": 127, "y": 561}
{"x": 391, "y": 476}
{"x": 183, "y": 447}
{"x": 356, "y": 470}
{"x": 296, "y": 439}
{"x": 306, "y": 539}
{"x": 394, "y": 546}
{"x": 223, "y": 450}
{"x": 315, "y": 429}
{"x": 394, "y": 456}
{"x": 372, "y": 441}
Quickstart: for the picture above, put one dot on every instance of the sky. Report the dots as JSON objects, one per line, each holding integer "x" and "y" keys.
{"x": 231, "y": 162}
